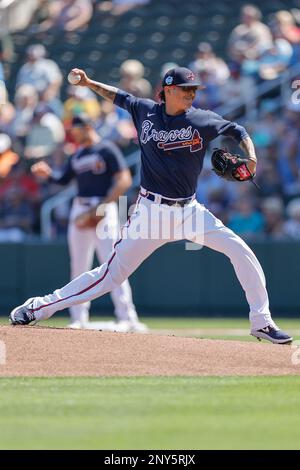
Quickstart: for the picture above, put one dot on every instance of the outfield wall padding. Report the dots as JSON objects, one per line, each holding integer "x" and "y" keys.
{"x": 172, "y": 281}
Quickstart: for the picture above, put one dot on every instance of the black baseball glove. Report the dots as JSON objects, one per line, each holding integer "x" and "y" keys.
{"x": 231, "y": 167}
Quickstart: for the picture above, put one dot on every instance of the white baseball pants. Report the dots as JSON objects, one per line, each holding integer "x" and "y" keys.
{"x": 151, "y": 226}
{"x": 82, "y": 245}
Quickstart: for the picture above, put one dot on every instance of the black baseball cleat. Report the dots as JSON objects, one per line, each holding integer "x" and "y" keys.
{"x": 271, "y": 334}
{"x": 22, "y": 315}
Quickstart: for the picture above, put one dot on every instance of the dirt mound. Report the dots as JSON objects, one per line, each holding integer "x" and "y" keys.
{"x": 44, "y": 351}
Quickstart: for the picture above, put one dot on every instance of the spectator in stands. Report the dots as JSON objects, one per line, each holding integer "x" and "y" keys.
{"x": 273, "y": 212}
{"x": 266, "y": 129}
{"x": 16, "y": 216}
{"x": 213, "y": 192}
{"x": 45, "y": 134}
{"x": 19, "y": 178}
{"x": 3, "y": 92}
{"x": 292, "y": 226}
{"x": 289, "y": 150}
{"x": 218, "y": 202}
{"x": 80, "y": 101}
{"x": 143, "y": 88}
{"x": 68, "y": 15}
{"x": 209, "y": 98}
{"x": 274, "y": 59}
{"x": 245, "y": 219}
{"x": 132, "y": 79}
{"x": 238, "y": 88}
{"x": 7, "y": 115}
{"x": 6, "y": 44}
{"x": 268, "y": 177}
{"x": 8, "y": 158}
{"x": 213, "y": 73}
{"x": 248, "y": 38}
{"x": 19, "y": 203}
{"x": 206, "y": 60}
{"x": 41, "y": 15}
{"x": 115, "y": 124}
{"x": 1, "y": 69}
{"x": 283, "y": 26}
{"x": 26, "y": 100}
{"x": 119, "y": 7}
{"x": 43, "y": 74}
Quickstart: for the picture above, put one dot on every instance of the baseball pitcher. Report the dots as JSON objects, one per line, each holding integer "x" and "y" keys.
{"x": 173, "y": 138}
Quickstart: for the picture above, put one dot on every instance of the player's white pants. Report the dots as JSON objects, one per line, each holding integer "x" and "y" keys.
{"x": 82, "y": 245}
{"x": 142, "y": 235}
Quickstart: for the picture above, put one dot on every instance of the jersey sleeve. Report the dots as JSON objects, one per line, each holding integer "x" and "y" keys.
{"x": 135, "y": 106}
{"x": 113, "y": 158}
{"x": 63, "y": 176}
{"x": 219, "y": 126}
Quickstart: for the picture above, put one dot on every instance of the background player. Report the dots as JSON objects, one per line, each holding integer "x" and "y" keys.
{"x": 173, "y": 137}
{"x": 102, "y": 176}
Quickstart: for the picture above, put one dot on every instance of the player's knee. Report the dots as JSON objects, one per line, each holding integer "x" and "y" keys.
{"x": 118, "y": 277}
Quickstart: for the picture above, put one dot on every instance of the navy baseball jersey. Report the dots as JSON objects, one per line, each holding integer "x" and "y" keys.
{"x": 93, "y": 168}
{"x": 173, "y": 147}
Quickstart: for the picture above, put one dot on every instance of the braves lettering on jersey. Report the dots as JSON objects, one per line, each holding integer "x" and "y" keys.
{"x": 175, "y": 139}
{"x": 93, "y": 167}
{"x": 173, "y": 147}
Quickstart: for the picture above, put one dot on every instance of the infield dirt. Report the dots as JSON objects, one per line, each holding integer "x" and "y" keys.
{"x": 45, "y": 351}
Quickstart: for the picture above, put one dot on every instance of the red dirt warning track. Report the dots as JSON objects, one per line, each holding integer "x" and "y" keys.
{"x": 43, "y": 351}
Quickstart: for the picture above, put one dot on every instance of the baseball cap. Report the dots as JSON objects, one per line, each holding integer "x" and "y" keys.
{"x": 181, "y": 76}
{"x": 81, "y": 120}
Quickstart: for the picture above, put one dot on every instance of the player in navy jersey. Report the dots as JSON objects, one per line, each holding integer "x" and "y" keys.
{"x": 173, "y": 138}
{"x": 102, "y": 176}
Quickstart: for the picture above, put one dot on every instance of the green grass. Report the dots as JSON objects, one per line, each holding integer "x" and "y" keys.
{"x": 188, "y": 322}
{"x": 150, "y": 413}
{"x": 154, "y": 412}
{"x": 179, "y": 322}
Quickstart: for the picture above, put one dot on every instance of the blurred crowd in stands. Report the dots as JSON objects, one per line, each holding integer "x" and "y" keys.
{"x": 35, "y": 121}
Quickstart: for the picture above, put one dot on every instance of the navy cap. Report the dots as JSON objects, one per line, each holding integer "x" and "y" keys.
{"x": 81, "y": 120}
{"x": 181, "y": 76}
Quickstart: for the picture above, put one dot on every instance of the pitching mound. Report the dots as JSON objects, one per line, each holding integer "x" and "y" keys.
{"x": 44, "y": 351}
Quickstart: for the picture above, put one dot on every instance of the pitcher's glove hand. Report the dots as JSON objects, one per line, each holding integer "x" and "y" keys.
{"x": 231, "y": 167}
{"x": 90, "y": 218}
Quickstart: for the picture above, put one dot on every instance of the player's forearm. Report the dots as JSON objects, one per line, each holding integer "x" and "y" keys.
{"x": 106, "y": 91}
{"x": 248, "y": 147}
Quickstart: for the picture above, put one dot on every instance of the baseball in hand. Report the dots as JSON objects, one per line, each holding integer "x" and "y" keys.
{"x": 74, "y": 78}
